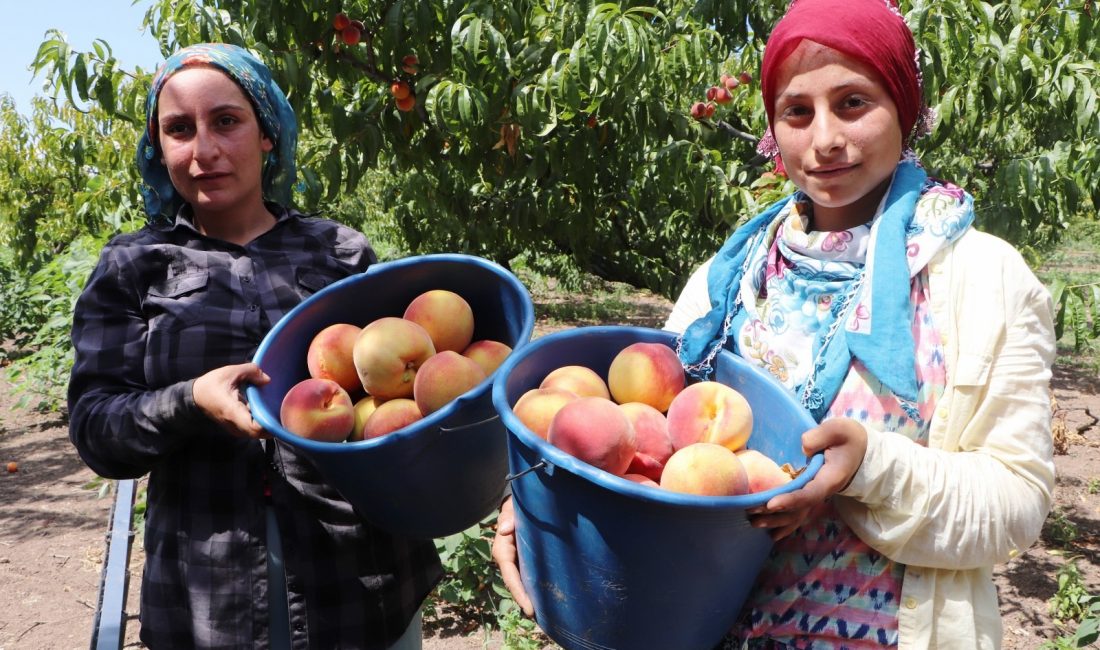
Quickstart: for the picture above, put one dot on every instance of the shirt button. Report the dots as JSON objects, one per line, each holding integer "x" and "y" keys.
{"x": 247, "y": 279}
{"x": 252, "y": 308}
{"x": 941, "y": 412}
{"x": 910, "y": 603}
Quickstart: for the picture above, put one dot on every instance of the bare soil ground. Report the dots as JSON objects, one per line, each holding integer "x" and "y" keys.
{"x": 53, "y": 526}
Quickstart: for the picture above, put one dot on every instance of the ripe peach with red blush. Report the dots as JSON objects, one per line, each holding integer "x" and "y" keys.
{"x": 329, "y": 355}
{"x": 488, "y": 354}
{"x": 399, "y": 89}
{"x": 351, "y": 35}
{"x": 317, "y": 409}
{"x": 709, "y": 411}
{"x": 642, "y": 479}
{"x": 387, "y": 355}
{"x": 390, "y": 416}
{"x": 579, "y": 380}
{"x": 652, "y": 443}
{"x": 363, "y": 409}
{"x": 446, "y": 316}
{"x": 650, "y": 373}
{"x": 705, "y": 469}
{"x": 537, "y": 407}
{"x": 596, "y": 431}
{"x": 409, "y": 63}
{"x": 763, "y": 472}
{"x": 442, "y": 378}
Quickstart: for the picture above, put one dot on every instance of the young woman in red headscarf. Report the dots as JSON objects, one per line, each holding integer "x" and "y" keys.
{"x": 922, "y": 347}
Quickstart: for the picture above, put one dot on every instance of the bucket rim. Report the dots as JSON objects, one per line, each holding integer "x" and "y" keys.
{"x": 560, "y": 459}
{"x": 270, "y": 421}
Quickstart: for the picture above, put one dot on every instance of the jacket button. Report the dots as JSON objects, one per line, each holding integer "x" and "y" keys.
{"x": 941, "y": 412}
{"x": 910, "y": 603}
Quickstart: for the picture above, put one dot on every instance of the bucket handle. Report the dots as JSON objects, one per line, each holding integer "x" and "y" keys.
{"x": 539, "y": 465}
{"x": 468, "y": 426}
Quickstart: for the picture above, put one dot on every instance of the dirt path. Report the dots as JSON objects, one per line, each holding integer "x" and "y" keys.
{"x": 53, "y": 528}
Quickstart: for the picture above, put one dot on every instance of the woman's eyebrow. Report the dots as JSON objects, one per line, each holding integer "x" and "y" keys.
{"x": 215, "y": 109}
{"x": 844, "y": 86}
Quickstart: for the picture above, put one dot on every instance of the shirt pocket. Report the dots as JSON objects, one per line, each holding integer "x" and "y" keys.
{"x": 312, "y": 280}
{"x": 177, "y": 302}
{"x": 972, "y": 369}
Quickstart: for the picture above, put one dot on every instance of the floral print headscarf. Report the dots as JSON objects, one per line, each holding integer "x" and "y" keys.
{"x": 273, "y": 112}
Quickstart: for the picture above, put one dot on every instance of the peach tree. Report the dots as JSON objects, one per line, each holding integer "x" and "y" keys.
{"x": 605, "y": 132}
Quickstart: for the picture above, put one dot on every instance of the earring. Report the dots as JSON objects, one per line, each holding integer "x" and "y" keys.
{"x": 149, "y": 153}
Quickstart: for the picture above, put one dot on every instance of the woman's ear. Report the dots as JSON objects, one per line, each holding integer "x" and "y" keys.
{"x": 266, "y": 144}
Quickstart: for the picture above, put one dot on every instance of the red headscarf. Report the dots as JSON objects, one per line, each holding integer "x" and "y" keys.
{"x": 871, "y": 31}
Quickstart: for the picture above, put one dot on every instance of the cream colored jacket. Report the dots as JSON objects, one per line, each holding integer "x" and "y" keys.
{"x": 979, "y": 493}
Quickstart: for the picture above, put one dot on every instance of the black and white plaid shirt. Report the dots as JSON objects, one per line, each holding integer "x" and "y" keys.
{"x": 165, "y": 305}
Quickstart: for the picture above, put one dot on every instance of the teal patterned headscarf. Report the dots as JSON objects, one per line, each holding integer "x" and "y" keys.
{"x": 273, "y": 111}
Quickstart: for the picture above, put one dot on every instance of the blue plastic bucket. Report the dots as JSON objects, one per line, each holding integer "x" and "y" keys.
{"x": 444, "y": 473}
{"x": 613, "y": 564}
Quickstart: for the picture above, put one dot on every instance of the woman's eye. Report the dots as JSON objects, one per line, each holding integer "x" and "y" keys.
{"x": 227, "y": 120}
{"x": 854, "y": 102}
{"x": 794, "y": 111}
{"x": 176, "y": 129}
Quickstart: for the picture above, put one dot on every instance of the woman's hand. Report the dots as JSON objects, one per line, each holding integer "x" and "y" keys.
{"x": 844, "y": 442}
{"x": 506, "y": 555}
{"x": 219, "y": 395}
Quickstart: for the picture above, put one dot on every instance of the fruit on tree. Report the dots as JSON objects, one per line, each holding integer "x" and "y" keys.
{"x": 399, "y": 89}
{"x": 350, "y": 35}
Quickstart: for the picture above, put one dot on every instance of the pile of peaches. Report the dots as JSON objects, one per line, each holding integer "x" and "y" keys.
{"x": 366, "y": 382}
{"x": 646, "y": 423}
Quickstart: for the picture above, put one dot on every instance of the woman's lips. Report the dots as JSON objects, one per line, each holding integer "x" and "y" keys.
{"x": 831, "y": 172}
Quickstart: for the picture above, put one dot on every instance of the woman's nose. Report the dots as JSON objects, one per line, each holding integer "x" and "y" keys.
{"x": 827, "y": 132}
{"x": 204, "y": 145}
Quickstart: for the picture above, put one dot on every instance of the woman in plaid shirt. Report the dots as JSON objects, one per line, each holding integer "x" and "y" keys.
{"x": 246, "y": 545}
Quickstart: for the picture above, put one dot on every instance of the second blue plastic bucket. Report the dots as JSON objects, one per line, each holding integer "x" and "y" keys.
{"x": 441, "y": 474}
{"x": 611, "y": 564}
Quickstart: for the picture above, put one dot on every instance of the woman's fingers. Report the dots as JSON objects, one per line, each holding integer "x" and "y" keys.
{"x": 220, "y": 395}
{"x": 506, "y": 555}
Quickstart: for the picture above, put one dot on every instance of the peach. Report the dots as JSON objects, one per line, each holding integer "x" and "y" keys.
{"x": 763, "y": 472}
{"x": 651, "y": 439}
{"x": 317, "y": 409}
{"x": 706, "y": 469}
{"x": 390, "y": 416}
{"x": 443, "y": 377}
{"x": 329, "y": 355}
{"x": 538, "y": 406}
{"x": 709, "y": 411}
{"x": 650, "y": 373}
{"x": 363, "y": 409}
{"x": 488, "y": 354}
{"x": 446, "y": 316}
{"x": 387, "y": 355}
{"x": 639, "y": 478}
{"x": 579, "y": 380}
{"x": 596, "y": 431}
